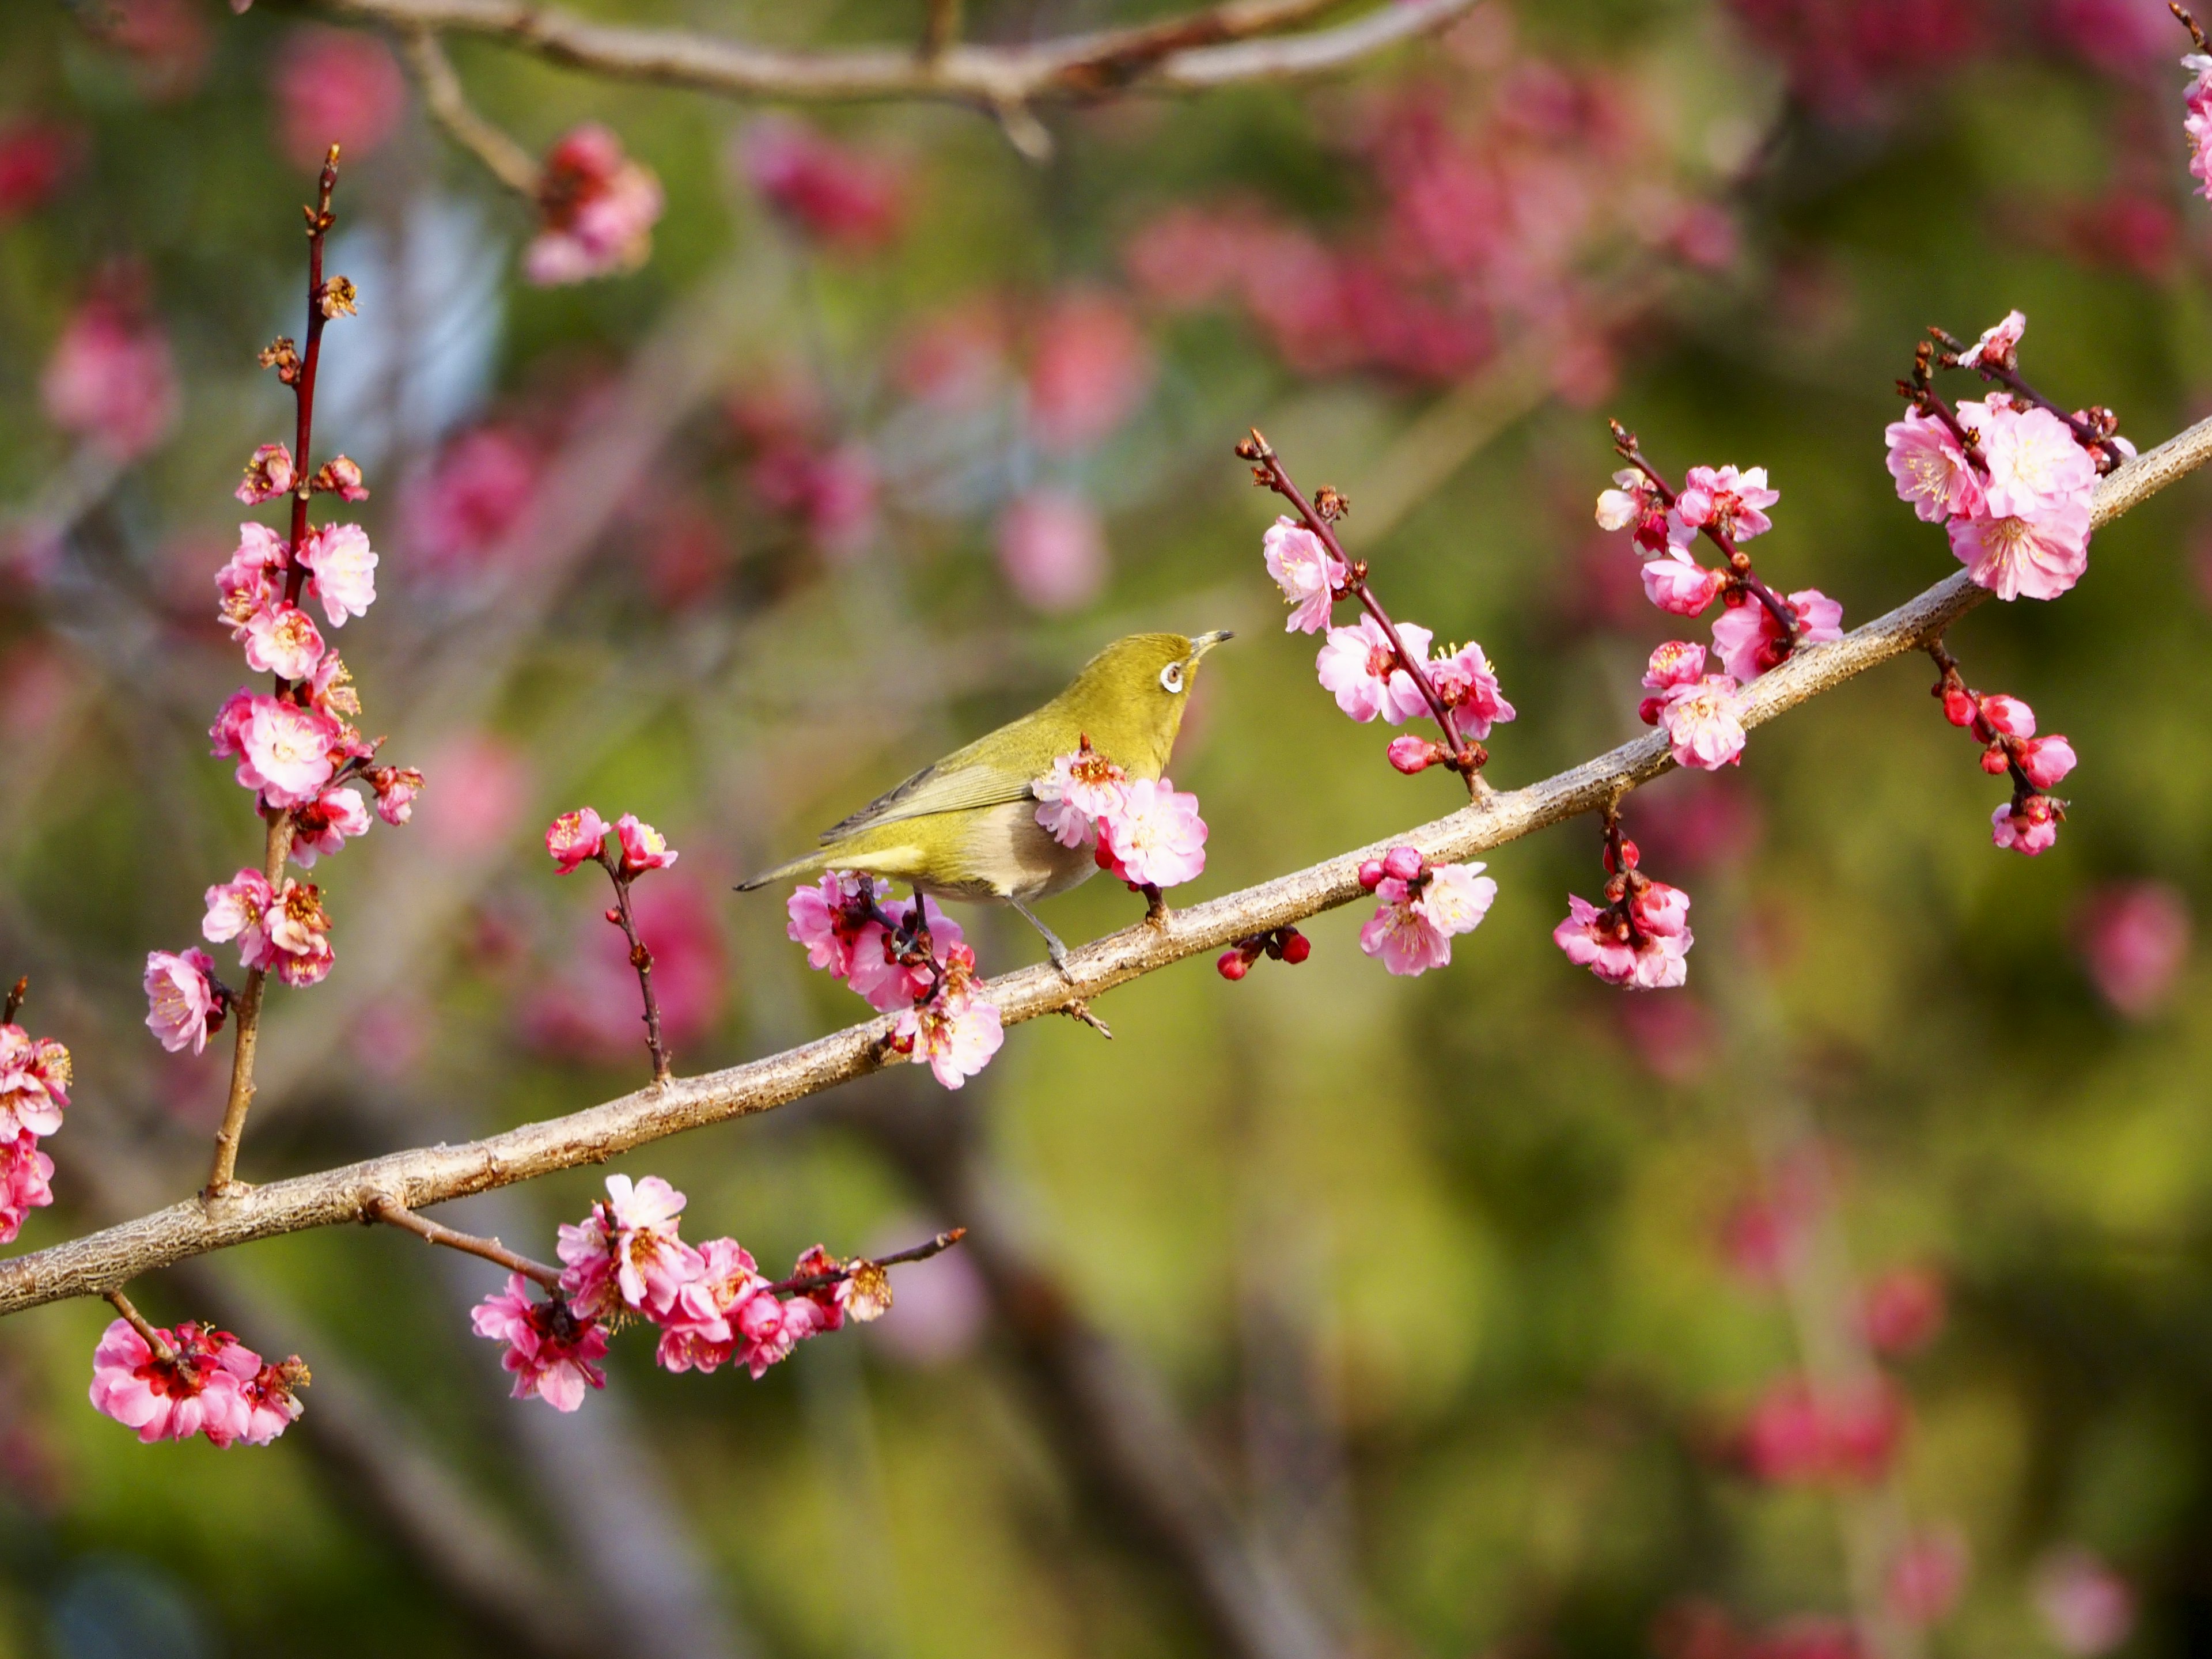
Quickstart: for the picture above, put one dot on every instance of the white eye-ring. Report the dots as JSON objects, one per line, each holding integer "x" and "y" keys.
{"x": 1171, "y": 677}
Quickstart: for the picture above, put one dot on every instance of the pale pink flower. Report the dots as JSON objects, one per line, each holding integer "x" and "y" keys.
{"x": 284, "y": 749}
{"x": 1903, "y": 1310}
{"x": 2046, "y": 760}
{"x": 626, "y": 1254}
{"x": 643, "y": 847}
{"x": 234, "y": 911}
{"x": 268, "y": 475}
{"x": 1661, "y": 910}
{"x": 1052, "y": 547}
{"x": 248, "y": 584}
{"x": 1415, "y": 922}
{"x": 396, "y": 787}
{"x": 1999, "y": 347}
{"x": 1468, "y": 686}
{"x": 954, "y": 1035}
{"x": 112, "y": 381}
{"x": 551, "y": 1350}
{"x": 2088, "y": 1609}
{"x": 842, "y": 196}
{"x": 1749, "y": 639}
{"x": 184, "y": 1007}
{"x": 1678, "y": 584}
{"x": 596, "y": 209}
{"x": 167, "y": 1398}
{"x": 1726, "y": 503}
{"x": 1651, "y": 962}
{"x": 574, "y": 838}
{"x": 1705, "y": 723}
{"x": 1154, "y": 838}
{"x": 2198, "y": 123}
{"x": 281, "y": 640}
{"x": 889, "y": 986}
{"x": 818, "y": 921}
{"x": 2033, "y": 829}
{"x": 325, "y": 823}
{"x": 1928, "y": 1574}
{"x": 1360, "y": 669}
{"x": 2041, "y": 557}
{"x": 1627, "y": 502}
{"x": 298, "y": 934}
{"x": 267, "y": 1394}
{"x": 2134, "y": 939}
{"x": 1931, "y": 469}
{"x": 2034, "y": 463}
{"x": 340, "y": 85}
{"x": 343, "y": 571}
{"x": 1082, "y": 788}
{"x": 34, "y": 1082}
{"x": 25, "y": 1172}
{"x": 1676, "y": 663}
{"x": 1306, "y": 571}
{"x": 700, "y": 1330}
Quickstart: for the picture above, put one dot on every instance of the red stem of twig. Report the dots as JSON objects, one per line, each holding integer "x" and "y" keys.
{"x": 639, "y": 958}
{"x": 140, "y": 1323}
{"x": 2084, "y": 434}
{"x": 799, "y": 1286}
{"x": 1739, "y": 562}
{"x": 393, "y": 1213}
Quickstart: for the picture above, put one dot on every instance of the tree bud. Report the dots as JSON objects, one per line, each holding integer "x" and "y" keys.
{"x": 1410, "y": 754}
{"x": 1993, "y": 760}
{"x": 1958, "y": 707}
{"x": 1296, "y": 947}
{"x": 1647, "y": 710}
{"x": 1232, "y": 965}
{"x": 1370, "y": 874}
{"x": 1403, "y": 864}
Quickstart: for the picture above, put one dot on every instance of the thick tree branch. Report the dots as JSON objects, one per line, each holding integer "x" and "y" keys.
{"x": 104, "y": 1260}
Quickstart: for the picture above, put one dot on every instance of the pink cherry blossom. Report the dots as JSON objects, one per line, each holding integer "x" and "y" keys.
{"x": 184, "y": 1007}
{"x": 1903, "y": 1310}
{"x": 596, "y": 209}
{"x": 1928, "y": 1575}
{"x": 2046, "y": 760}
{"x": 25, "y": 1172}
{"x": 234, "y": 911}
{"x": 168, "y": 1399}
{"x": 2134, "y": 937}
{"x": 1306, "y": 571}
{"x": 2007, "y": 716}
{"x": 248, "y": 584}
{"x": 343, "y": 571}
{"x": 1749, "y": 639}
{"x": 1931, "y": 469}
{"x": 574, "y": 838}
{"x": 643, "y": 847}
{"x": 1052, "y": 547}
{"x": 1410, "y": 754}
{"x": 281, "y": 640}
{"x": 1705, "y": 724}
{"x": 284, "y": 749}
{"x": 1415, "y": 922}
{"x": 268, "y": 1393}
{"x": 1154, "y": 838}
{"x": 818, "y": 921}
{"x": 268, "y": 475}
{"x": 552, "y": 1350}
{"x": 2088, "y": 1609}
{"x": 1676, "y": 663}
{"x": 1627, "y": 502}
{"x": 1082, "y": 788}
{"x": 1999, "y": 346}
{"x": 700, "y": 1330}
{"x": 626, "y": 1254}
{"x": 1720, "y": 500}
{"x": 954, "y": 1034}
{"x": 888, "y": 986}
{"x": 337, "y": 85}
{"x": 842, "y": 196}
{"x": 2034, "y": 463}
{"x": 34, "y": 1082}
{"x": 325, "y": 823}
{"x": 112, "y": 381}
{"x": 767, "y": 1330}
{"x": 1468, "y": 686}
{"x": 1090, "y": 369}
{"x": 1360, "y": 669}
{"x": 1642, "y": 958}
{"x": 298, "y": 932}
{"x": 2032, "y": 829}
{"x": 1678, "y": 584}
{"x": 396, "y": 787}
{"x": 2198, "y": 123}
{"x": 2040, "y": 558}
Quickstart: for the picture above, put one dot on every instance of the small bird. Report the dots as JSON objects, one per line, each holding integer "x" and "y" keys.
{"x": 966, "y": 828}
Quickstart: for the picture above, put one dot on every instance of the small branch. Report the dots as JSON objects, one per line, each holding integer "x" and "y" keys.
{"x": 221, "y": 1174}
{"x": 2196, "y": 31}
{"x": 940, "y": 29}
{"x": 17, "y": 992}
{"x": 641, "y": 959}
{"x": 799, "y": 1286}
{"x": 393, "y": 1213}
{"x": 506, "y": 160}
{"x": 145, "y": 1327}
{"x": 429, "y": 1175}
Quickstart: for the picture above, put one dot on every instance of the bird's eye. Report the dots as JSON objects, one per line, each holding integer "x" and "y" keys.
{"x": 1171, "y": 677}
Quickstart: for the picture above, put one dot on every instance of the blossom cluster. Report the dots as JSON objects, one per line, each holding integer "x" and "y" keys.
{"x": 34, "y": 1082}
{"x": 2198, "y": 123}
{"x": 1699, "y": 711}
{"x": 1641, "y": 938}
{"x": 192, "y": 1381}
{"x": 596, "y": 208}
{"x": 2005, "y": 727}
{"x": 1142, "y": 830}
{"x": 711, "y": 1305}
{"x": 1421, "y": 908}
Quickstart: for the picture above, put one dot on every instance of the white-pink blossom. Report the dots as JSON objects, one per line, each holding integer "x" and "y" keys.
{"x": 343, "y": 568}
{"x": 1154, "y": 838}
{"x": 1678, "y": 584}
{"x": 1464, "y": 679}
{"x": 184, "y": 1007}
{"x": 281, "y": 638}
{"x": 2040, "y": 558}
{"x": 284, "y": 749}
{"x": 24, "y": 1175}
{"x": 1082, "y": 788}
{"x": 234, "y": 911}
{"x": 1999, "y": 346}
{"x": 327, "y": 824}
{"x": 626, "y": 1254}
{"x": 1624, "y": 505}
{"x": 1705, "y": 723}
{"x": 2046, "y": 760}
{"x": 396, "y": 787}
{"x": 268, "y": 475}
{"x": 1415, "y": 922}
{"x": 1306, "y": 572}
{"x": 1724, "y": 502}
{"x": 247, "y": 584}
{"x": 35, "y": 1081}
{"x": 551, "y": 1350}
{"x": 1931, "y": 469}
{"x": 954, "y": 1035}
{"x": 1749, "y": 641}
{"x": 700, "y": 1330}
{"x": 1360, "y": 669}
{"x": 2034, "y": 463}
{"x": 1637, "y": 957}
{"x": 888, "y": 985}
{"x": 1677, "y": 663}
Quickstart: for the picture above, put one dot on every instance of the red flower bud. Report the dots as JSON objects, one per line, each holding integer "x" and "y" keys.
{"x": 614, "y": 915}
{"x": 1647, "y": 710}
{"x": 1410, "y": 754}
{"x": 1629, "y": 855}
{"x": 1958, "y": 707}
{"x": 1403, "y": 864}
{"x": 1232, "y": 965}
{"x": 1296, "y": 947}
{"x": 1993, "y": 760}
{"x": 1370, "y": 874}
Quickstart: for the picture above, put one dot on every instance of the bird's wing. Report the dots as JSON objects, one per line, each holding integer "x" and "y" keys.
{"x": 947, "y": 787}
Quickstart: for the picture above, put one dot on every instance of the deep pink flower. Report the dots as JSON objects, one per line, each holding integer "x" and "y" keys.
{"x": 1090, "y": 368}
{"x": 1723, "y": 500}
{"x": 1703, "y": 722}
{"x": 36, "y": 156}
{"x": 888, "y": 986}
{"x": 1154, "y": 838}
{"x": 1903, "y": 1310}
{"x": 1468, "y": 686}
{"x": 284, "y": 749}
{"x": 281, "y": 640}
{"x": 325, "y": 823}
{"x": 841, "y": 196}
{"x": 2032, "y": 829}
{"x": 955, "y": 1034}
{"x": 184, "y": 1007}
{"x": 574, "y": 838}
{"x": 110, "y": 379}
{"x": 1931, "y": 469}
{"x": 1052, "y": 547}
{"x": 2198, "y": 123}
{"x": 1411, "y": 931}
{"x": 473, "y": 496}
{"x": 700, "y": 1330}
{"x": 1749, "y": 639}
{"x": 626, "y": 1254}
{"x": 1678, "y": 584}
{"x": 169, "y": 1398}
{"x": 1306, "y": 571}
{"x": 34, "y": 1083}
{"x": 268, "y": 475}
{"x": 335, "y": 84}
{"x": 1928, "y": 1574}
{"x": 596, "y": 209}
{"x": 1360, "y": 669}
{"x": 1674, "y": 665}
{"x": 767, "y": 1330}
{"x": 268, "y": 1393}
{"x": 2088, "y": 1609}
{"x": 818, "y": 921}
{"x": 1848, "y": 1435}
{"x": 2046, "y": 760}
{"x": 396, "y": 787}
{"x": 643, "y": 847}
{"x": 1082, "y": 788}
{"x": 2134, "y": 937}
{"x": 1651, "y": 961}
{"x": 250, "y": 583}
{"x": 343, "y": 571}
{"x": 552, "y": 1350}
{"x": 25, "y": 1172}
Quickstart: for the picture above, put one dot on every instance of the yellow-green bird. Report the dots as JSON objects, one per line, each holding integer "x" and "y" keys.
{"x": 966, "y": 828}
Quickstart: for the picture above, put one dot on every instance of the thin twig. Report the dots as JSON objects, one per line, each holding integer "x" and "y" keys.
{"x": 941, "y": 29}
{"x": 96, "y": 1262}
{"x": 506, "y": 160}
{"x": 639, "y": 958}
{"x": 152, "y": 1338}
{"x": 805, "y": 1282}
{"x": 393, "y": 1213}
{"x": 17, "y": 992}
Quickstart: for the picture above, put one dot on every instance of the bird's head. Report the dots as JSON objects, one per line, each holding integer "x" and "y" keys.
{"x": 1130, "y": 696}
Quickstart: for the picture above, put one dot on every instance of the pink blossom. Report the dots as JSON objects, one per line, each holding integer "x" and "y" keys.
{"x": 168, "y": 1399}
{"x": 110, "y": 379}
{"x": 1628, "y": 502}
{"x": 2134, "y": 937}
{"x": 335, "y": 84}
{"x": 396, "y": 787}
{"x": 2198, "y": 123}
{"x": 1156, "y": 838}
{"x": 1678, "y": 584}
{"x": 284, "y": 749}
{"x": 1928, "y": 1574}
{"x": 700, "y": 1330}
{"x": 889, "y": 986}
{"x": 1052, "y": 547}
{"x": 1705, "y": 724}
{"x": 954, "y": 1034}
{"x": 626, "y": 1254}
{"x": 551, "y": 1350}
{"x": 1468, "y": 686}
{"x": 298, "y": 932}
{"x": 268, "y": 475}
{"x": 2034, "y": 463}
{"x": 1639, "y": 958}
{"x": 1358, "y": 666}
{"x": 1749, "y": 639}
{"x": 1931, "y": 469}
{"x": 2032, "y": 829}
{"x": 767, "y": 1330}
{"x": 1090, "y": 368}
{"x": 24, "y": 1172}
{"x": 343, "y": 571}
{"x": 473, "y": 497}
{"x": 234, "y": 911}
{"x": 845, "y": 198}
{"x": 248, "y": 584}
{"x": 1676, "y": 663}
{"x": 596, "y": 208}
{"x": 1082, "y": 788}
{"x": 2046, "y": 760}
{"x": 1410, "y": 754}
{"x": 1414, "y": 923}
{"x": 643, "y": 847}
{"x": 1724, "y": 502}
{"x": 184, "y": 1007}
{"x": 1903, "y": 1310}
{"x": 2088, "y": 1609}
{"x": 280, "y": 640}
{"x": 1306, "y": 571}
{"x": 2007, "y": 716}
{"x": 267, "y": 1393}
{"x": 340, "y": 475}
{"x": 1999, "y": 346}
{"x": 818, "y": 921}
{"x": 574, "y": 838}
{"x": 1849, "y": 1435}
{"x": 2041, "y": 557}
{"x": 34, "y": 1082}
{"x": 325, "y": 823}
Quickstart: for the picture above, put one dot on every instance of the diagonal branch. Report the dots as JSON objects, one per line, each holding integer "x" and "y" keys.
{"x": 506, "y": 160}
{"x": 107, "y": 1260}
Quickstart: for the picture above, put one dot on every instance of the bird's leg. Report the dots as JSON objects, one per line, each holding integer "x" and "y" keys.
{"x": 1052, "y": 947}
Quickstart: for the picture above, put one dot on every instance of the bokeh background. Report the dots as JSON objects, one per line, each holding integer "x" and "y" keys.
{"x": 1856, "y": 1299}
